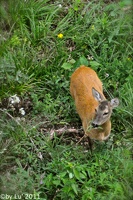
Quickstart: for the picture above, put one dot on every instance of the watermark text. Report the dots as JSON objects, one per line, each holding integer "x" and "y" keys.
{"x": 27, "y": 196}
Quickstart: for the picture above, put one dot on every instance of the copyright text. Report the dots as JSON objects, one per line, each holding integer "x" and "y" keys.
{"x": 19, "y": 196}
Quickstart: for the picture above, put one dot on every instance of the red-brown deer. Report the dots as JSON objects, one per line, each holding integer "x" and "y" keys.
{"x": 92, "y": 106}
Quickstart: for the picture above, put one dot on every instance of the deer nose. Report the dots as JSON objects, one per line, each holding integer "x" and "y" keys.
{"x": 94, "y": 125}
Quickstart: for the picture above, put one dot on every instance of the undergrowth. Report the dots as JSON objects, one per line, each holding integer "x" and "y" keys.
{"x": 42, "y": 43}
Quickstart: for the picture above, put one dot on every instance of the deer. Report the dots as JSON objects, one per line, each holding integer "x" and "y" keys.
{"x": 92, "y": 107}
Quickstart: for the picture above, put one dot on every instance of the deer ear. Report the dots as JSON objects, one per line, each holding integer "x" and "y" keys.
{"x": 114, "y": 102}
{"x": 97, "y": 95}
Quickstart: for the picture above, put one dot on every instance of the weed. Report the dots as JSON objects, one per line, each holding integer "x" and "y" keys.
{"x": 42, "y": 43}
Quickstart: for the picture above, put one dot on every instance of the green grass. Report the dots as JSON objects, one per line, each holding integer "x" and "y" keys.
{"x": 36, "y": 65}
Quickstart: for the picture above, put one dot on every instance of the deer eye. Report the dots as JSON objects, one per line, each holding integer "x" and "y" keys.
{"x": 106, "y": 113}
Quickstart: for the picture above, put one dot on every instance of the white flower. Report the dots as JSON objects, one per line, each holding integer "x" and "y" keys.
{"x": 60, "y": 6}
{"x": 90, "y": 57}
{"x": 106, "y": 75}
{"x": 22, "y": 111}
{"x": 14, "y": 99}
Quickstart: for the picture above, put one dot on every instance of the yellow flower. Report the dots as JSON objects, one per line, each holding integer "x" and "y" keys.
{"x": 92, "y": 27}
{"x": 60, "y": 35}
{"x": 129, "y": 58}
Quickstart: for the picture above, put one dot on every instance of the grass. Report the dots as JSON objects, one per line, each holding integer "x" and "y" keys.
{"x": 36, "y": 65}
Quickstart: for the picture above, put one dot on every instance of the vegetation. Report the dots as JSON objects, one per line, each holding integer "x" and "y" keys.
{"x": 42, "y": 43}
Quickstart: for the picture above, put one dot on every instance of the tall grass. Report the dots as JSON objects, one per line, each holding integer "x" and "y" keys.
{"x": 36, "y": 65}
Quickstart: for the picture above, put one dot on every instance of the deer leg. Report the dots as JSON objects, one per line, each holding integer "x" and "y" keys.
{"x": 90, "y": 143}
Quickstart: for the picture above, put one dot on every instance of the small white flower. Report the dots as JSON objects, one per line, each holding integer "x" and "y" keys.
{"x": 90, "y": 57}
{"x": 60, "y": 6}
{"x": 106, "y": 75}
{"x": 22, "y": 111}
{"x": 14, "y": 99}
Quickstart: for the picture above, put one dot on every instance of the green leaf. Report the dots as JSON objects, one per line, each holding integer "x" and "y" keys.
{"x": 83, "y": 61}
{"x": 83, "y": 175}
{"x": 66, "y": 66}
{"x": 94, "y": 63}
{"x": 72, "y": 61}
{"x": 76, "y": 173}
{"x": 56, "y": 182}
{"x": 63, "y": 174}
{"x": 74, "y": 187}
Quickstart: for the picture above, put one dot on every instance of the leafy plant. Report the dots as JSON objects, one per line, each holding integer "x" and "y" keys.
{"x": 42, "y": 43}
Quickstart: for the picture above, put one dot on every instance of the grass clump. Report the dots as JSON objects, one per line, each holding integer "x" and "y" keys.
{"x": 42, "y": 43}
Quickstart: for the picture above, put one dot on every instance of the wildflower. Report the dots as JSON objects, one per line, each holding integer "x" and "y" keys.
{"x": 128, "y": 58}
{"x": 22, "y": 111}
{"x": 106, "y": 75}
{"x": 92, "y": 27}
{"x": 60, "y": 35}
{"x": 90, "y": 57}
{"x": 60, "y": 6}
{"x": 14, "y": 99}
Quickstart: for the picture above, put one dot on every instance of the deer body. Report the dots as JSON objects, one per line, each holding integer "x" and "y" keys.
{"x": 91, "y": 104}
